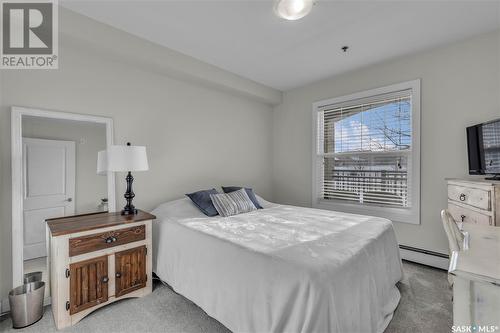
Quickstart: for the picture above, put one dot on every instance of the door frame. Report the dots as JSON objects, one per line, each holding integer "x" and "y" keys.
{"x": 17, "y": 114}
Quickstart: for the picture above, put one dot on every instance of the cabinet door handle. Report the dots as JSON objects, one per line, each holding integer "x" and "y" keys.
{"x": 462, "y": 197}
{"x": 118, "y": 275}
{"x": 105, "y": 279}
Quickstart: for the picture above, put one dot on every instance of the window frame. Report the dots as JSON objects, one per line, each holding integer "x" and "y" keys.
{"x": 405, "y": 215}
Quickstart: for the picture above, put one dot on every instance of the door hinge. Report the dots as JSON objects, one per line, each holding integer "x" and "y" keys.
{"x": 146, "y": 280}
{"x": 67, "y": 306}
{"x": 67, "y": 273}
{"x": 146, "y": 251}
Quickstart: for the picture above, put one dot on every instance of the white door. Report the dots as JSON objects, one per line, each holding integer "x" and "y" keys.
{"x": 49, "y": 188}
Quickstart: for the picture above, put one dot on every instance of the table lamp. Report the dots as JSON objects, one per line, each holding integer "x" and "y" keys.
{"x": 124, "y": 158}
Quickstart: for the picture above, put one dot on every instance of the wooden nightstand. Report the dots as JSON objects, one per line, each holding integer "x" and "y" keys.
{"x": 96, "y": 259}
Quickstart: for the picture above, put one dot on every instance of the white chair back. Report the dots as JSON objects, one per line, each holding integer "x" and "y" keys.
{"x": 455, "y": 236}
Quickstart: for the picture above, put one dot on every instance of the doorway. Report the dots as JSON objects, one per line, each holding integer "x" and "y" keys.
{"x": 54, "y": 174}
{"x": 49, "y": 189}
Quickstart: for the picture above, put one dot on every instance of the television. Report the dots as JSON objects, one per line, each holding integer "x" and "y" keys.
{"x": 483, "y": 148}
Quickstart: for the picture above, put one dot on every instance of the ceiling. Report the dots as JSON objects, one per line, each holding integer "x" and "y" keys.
{"x": 246, "y": 38}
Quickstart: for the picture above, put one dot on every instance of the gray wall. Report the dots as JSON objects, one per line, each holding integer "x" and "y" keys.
{"x": 197, "y": 137}
{"x": 89, "y": 138}
{"x": 460, "y": 87}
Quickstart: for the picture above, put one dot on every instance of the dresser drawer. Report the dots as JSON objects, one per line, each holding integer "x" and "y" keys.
{"x": 471, "y": 196}
{"x": 104, "y": 240}
{"x": 461, "y": 214}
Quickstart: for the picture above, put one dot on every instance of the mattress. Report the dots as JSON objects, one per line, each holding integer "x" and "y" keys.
{"x": 281, "y": 268}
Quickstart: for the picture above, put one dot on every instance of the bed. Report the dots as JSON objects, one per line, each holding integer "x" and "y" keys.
{"x": 281, "y": 268}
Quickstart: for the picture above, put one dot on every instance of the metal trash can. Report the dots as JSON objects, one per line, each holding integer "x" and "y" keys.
{"x": 32, "y": 277}
{"x": 26, "y": 304}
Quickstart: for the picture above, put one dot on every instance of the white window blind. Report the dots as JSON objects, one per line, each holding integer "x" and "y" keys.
{"x": 364, "y": 150}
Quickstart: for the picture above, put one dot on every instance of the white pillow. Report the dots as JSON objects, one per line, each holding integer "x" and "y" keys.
{"x": 264, "y": 203}
{"x": 176, "y": 210}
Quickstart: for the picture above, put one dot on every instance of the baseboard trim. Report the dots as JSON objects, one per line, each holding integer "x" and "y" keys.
{"x": 425, "y": 257}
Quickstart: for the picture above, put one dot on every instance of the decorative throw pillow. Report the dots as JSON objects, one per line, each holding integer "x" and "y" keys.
{"x": 233, "y": 203}
{"x": 202, "y": 200}
{"x": 250, "y": 193}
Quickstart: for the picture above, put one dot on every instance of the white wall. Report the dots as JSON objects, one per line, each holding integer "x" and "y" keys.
{"x": 210, "y": 134}
{"x": 460, "y": 87}
{"x": 197, "y": 136}
{"x": 89, "y": 138}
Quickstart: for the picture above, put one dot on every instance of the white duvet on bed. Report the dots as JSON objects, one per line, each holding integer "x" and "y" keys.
{"x": 282, "y": 268}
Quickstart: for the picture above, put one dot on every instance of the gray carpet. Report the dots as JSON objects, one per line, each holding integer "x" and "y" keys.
{"x": 425, "y": 307}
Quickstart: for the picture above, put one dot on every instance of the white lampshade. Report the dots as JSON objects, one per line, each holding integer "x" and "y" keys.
{"x": 122, "y": 158}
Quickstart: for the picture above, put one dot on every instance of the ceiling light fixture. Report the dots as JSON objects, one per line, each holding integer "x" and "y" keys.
{"x": 292, "y": 9}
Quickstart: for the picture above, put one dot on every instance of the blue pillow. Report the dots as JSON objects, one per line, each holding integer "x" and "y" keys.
{"x": 251, "y": 194}
{"x": 202, "y": 200}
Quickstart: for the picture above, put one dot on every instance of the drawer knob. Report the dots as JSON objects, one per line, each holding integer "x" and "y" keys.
{"x": 108, "y": 240}
{"x": 462, "y": 217}
{"x": 105, "y": 279}
{"x": 462, "y": 197}
{"x": 118, "y": 274}
{"x": 113, "y": 239}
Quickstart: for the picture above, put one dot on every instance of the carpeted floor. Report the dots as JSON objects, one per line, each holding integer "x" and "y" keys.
{"x": 425, "y": 307}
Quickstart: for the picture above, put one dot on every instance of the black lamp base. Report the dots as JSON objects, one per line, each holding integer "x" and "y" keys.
{"x": 129, "y": 195}
{"x": 128, "y": 211}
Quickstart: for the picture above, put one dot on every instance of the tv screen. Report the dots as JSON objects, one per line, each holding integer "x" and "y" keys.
{"x": 473, "y": 149}
{"x": 483, "y": 147}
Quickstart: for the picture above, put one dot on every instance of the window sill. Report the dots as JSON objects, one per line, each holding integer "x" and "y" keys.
{"x": 401, "y": 215}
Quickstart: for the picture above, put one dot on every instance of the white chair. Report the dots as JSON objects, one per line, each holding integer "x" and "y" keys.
{"x": 455, "y": 236}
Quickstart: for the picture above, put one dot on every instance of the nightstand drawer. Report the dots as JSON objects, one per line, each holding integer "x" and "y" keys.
{"x": 100, "y": 241}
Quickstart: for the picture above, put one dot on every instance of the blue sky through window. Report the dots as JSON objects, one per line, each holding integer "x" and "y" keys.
{"x": 382, "y": 128}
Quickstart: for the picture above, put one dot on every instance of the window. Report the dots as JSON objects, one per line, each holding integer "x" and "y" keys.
{"x": 367, "y": 153}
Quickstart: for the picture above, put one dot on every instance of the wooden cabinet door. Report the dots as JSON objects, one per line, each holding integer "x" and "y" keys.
{"x": 130, "y": 268}
{"x": 88, "y": 283}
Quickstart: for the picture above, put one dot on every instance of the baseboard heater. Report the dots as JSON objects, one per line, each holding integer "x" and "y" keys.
{"x": 425, "y": 257}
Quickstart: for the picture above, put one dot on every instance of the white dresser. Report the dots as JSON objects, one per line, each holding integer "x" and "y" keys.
{"x": 474, "y": 201}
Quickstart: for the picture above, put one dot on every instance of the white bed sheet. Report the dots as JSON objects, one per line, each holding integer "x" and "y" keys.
{"x": 282, "y": 268}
